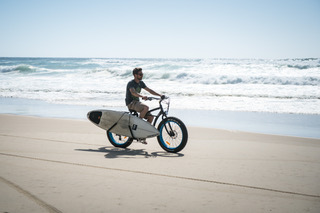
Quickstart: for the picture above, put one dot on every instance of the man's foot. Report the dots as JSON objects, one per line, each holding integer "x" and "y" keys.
{"x": 143, "y": 141}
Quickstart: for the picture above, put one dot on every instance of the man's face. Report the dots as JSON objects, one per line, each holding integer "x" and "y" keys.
{"x": 139, "y": 75}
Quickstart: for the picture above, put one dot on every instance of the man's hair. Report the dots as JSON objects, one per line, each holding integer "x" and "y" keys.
{"x": 136, "y": 70}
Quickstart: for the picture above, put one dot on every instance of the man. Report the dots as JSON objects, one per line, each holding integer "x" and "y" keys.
{"x": 133, "y": 94}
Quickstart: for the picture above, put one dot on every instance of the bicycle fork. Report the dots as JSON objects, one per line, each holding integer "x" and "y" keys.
{"x": 170, "y": 131}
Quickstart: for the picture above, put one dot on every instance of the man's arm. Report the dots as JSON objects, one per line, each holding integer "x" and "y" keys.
{"x": 134, "y": 93}
{"x": 151, "y": 91}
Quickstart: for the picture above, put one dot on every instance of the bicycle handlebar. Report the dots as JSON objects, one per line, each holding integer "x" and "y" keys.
{"x": 154, "y": 98}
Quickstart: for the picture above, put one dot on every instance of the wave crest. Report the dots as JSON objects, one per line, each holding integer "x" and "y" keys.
{"x": 18, "y": 68}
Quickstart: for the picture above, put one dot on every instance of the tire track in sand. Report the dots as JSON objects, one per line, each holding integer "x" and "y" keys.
{"x": 168, "y": 176}
{"x": 32, "y": 197}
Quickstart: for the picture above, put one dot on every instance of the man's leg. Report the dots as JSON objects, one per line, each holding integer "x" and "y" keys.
{"x": 143, "y": 113}
{"x": 144, "y": 110}
{"x": 150, "y": 118}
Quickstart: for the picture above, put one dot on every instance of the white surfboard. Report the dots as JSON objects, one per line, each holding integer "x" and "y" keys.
{"x": 122, "y": 123}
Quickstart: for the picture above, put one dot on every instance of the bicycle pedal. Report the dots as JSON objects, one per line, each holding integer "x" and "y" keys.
{"x": 143, "y": 141}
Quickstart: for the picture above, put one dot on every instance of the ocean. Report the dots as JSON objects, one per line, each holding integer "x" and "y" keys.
{"x": 281, "y": 86}
{"x": 250, "y": 85}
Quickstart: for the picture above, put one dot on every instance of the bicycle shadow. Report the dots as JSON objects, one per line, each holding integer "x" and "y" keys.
{"x": 114, "y": 152}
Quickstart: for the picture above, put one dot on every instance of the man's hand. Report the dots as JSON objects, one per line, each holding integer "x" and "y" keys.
{"x": 145, "y": 97}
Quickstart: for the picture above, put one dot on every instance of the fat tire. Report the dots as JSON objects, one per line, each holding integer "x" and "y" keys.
{"x": 184, "y": 132}
{"x": 115, "y": 144}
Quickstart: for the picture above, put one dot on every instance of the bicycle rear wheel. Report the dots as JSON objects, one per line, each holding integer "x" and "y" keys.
{"x": 119, "y": 140}
{"x": 173, "y": 134}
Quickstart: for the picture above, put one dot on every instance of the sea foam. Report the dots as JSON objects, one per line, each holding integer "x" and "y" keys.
{"x": 287, "y": 85}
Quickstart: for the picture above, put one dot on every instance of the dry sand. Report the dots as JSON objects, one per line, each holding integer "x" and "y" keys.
{"x": 55, "y": 165}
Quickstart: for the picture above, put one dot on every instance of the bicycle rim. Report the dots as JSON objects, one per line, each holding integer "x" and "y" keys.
{"x": 118, "y": 139}
{"x": 171, "y": 138}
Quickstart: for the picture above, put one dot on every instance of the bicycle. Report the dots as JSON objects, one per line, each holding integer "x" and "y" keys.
{"x": 173, "y": 135}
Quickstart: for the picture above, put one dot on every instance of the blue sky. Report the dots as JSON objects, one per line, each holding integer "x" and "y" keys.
{"x": 160, "y": 29}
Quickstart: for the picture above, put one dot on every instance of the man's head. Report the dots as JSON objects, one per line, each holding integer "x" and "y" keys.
{"x": 137, "y": 73}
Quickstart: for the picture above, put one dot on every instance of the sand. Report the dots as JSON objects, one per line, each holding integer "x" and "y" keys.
{"x": 56, "y": 165}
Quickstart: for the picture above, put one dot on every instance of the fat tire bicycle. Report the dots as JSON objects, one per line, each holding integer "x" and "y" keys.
{"x": 173, "y": 135}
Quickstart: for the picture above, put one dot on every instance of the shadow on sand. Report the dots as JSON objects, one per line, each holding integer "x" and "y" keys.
{"x": 113, "y": 152}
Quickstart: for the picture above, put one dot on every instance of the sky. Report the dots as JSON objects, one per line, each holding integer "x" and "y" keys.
{"x": 269, "y": 29}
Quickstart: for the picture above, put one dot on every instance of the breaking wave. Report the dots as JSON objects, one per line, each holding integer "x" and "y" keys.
{"x": 223, "y": 83}
{"x": 18, "y": 68}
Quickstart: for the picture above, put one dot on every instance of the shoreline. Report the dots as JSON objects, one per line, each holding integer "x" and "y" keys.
{"x": 298, "y": 125}
{"x": 206, "y": 129}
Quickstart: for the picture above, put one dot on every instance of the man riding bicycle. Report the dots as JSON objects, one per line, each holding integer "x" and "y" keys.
{"x": 133, "y": 95}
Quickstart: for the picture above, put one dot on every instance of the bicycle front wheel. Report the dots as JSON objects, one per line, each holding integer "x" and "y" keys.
{"x": 173, "y": 134}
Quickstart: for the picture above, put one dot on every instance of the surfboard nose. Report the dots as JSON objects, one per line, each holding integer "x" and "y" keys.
{"x": 94, "y": 116}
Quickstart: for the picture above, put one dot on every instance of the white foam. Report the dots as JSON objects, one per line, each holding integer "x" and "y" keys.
{"x": 290, "y": 86}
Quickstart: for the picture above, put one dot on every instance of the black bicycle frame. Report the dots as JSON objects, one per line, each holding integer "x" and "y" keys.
{"x": 161, "y": 112}
{"x": 164, "y": 116}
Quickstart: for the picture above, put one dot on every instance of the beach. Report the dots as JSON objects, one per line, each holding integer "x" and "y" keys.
{"x": 67, "y": 165}
{"x": 240, "y": 102}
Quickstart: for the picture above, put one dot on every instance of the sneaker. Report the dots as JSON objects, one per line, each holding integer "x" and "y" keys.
{"x": 143, "y": 141}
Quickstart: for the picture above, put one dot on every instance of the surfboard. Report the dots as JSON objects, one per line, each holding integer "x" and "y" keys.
{"x": 122, "y": 123}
